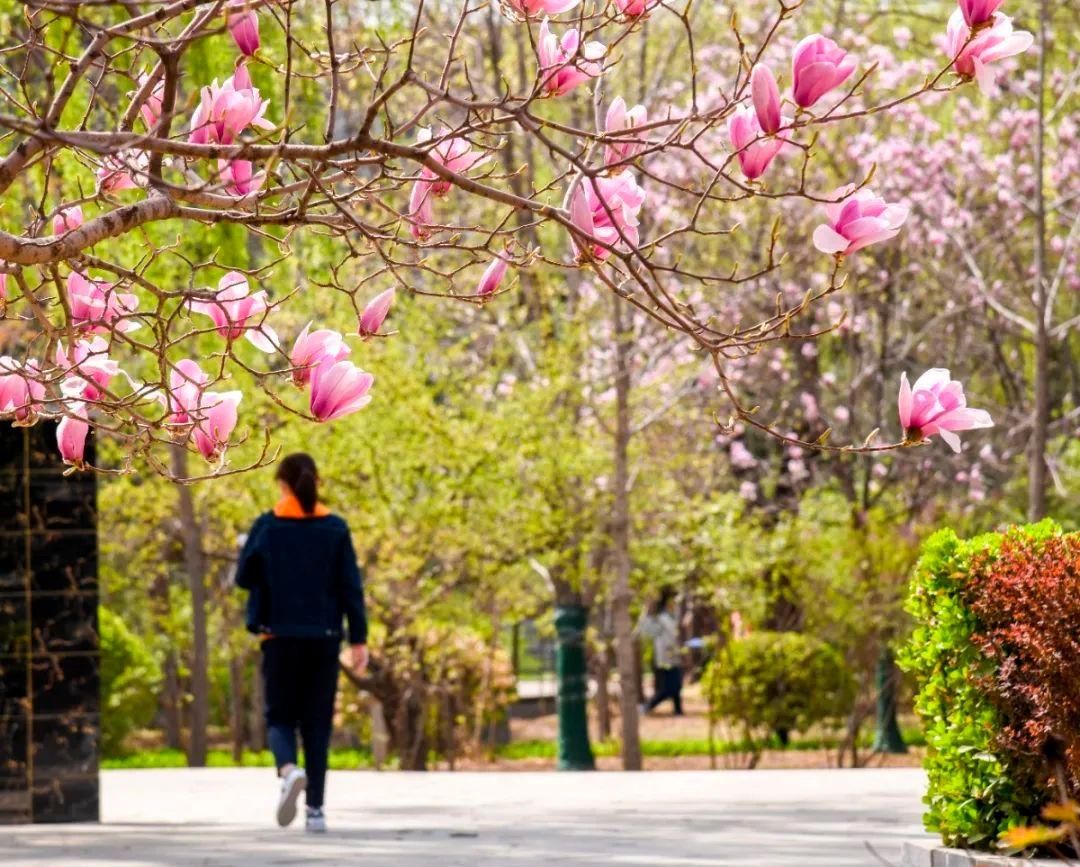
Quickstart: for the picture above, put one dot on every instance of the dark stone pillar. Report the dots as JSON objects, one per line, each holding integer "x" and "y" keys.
{"x": 49, "y": 656}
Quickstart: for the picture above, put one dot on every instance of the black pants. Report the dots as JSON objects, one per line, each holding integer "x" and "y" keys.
{"x": 300, "y": 680}
{"x": 667, "y": 683}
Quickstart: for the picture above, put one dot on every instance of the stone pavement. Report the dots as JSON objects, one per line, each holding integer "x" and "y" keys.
{"x": 762, "y": 818}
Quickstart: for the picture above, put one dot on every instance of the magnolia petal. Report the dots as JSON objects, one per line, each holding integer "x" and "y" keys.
{"x": 828, "y": 240}
{"x": 985, "y": 76}
{"x": 904, "y": 402}
{"x": 872, "y": 238}
{"x": 934, "y": 377}
{"x": 964, "y": 419}
{"x": 951, "y": 439}
{"x": 264, "y": 338}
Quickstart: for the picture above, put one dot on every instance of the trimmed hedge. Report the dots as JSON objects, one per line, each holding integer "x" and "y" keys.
{"x": 982, "y": 780}
{"x": 773, "y": 682}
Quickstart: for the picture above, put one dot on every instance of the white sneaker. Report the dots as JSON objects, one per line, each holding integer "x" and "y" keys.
{"x": 316, "y": 821}
{"x": 294, "y": 783}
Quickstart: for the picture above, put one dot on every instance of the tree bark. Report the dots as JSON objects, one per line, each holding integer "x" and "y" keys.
{"x": 620, "y": 541}
{"x": 171, "y": 703}
{"x": 602, "y": 672}
{"x": 237, "y": 727}
{"x": 380, "y": 733}
{"x": 195, "y": 566}
{"x": 257, "y": 715}
{"x": 1041, "y": 411}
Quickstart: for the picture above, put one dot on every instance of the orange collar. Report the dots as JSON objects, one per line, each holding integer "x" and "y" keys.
{"x": 289, "y": 507}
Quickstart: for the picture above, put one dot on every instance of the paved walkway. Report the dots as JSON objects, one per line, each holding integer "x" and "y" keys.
{"x": 754, "y": 818}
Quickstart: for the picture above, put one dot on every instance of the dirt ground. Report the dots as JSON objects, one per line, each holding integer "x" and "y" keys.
{"x": 662, "y": 725}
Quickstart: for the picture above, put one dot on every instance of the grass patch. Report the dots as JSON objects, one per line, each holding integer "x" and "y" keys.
{"x": 340, "y": 759}
{"x": 521, "y": 750}
{"x": 350, "y": 759}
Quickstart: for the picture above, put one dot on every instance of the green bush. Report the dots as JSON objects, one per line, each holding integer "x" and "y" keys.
{"x": 130, "y": 677}
{"x": 977, "y": 789}
{"x": 777, "y": 682}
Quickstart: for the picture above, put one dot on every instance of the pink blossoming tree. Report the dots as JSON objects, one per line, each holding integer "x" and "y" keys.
{"x": 418, "y": 177}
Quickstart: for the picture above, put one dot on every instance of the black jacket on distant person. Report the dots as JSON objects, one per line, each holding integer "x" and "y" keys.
{"x": 303, "y": 578}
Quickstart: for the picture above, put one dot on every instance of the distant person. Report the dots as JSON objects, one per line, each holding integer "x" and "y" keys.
{"x": 299, "y": 567}
{"x": 662, "y": 627}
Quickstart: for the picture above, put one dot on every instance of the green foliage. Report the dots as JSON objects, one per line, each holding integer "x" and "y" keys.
{"x": 777, "y": 681}
{"x": 976, "y": 790}
{"x": 129, "y": 681}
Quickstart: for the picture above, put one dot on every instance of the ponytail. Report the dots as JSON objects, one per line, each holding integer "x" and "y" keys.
{"x": 298, "y": 472}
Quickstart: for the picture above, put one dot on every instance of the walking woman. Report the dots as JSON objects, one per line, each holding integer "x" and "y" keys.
{"x": 662, "y": 627}
{"x": 299, "y": 568}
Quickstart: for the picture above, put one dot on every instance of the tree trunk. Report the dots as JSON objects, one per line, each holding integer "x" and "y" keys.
{"x": 602, "y": 670}
{"x": 1041, "y": 411}
{"x": 257, "y": 715}
{"x": 195, "y": 566}
{"x": 237, "y": 727}
{"x": 380, "y": 733}
{"x": 414, "y": 743}
{"x": 620, "y": 541}
{"x": 171, "y": 703}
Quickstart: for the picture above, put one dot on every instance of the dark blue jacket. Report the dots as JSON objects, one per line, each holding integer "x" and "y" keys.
{"x": 303, "y": 578}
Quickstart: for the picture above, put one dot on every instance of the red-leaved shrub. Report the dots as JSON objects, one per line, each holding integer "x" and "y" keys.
{"x": 1027, "y": 599}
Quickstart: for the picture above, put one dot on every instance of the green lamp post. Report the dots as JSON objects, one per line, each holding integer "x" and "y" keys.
{"x": 575, "y": 753}
{"x": 887, "y": 737}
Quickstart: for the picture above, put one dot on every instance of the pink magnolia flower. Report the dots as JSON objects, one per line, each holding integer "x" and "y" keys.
{"x": 67, "y": 220}
{"x": 96, "y": 306}
{"x": 3, "y": 285}
{"x": 232, "y": 307}
{"x": 184, "y": 394}
{"x": 622, "y": 149}
{"x": 151, "y": 107}
{"x": 936, "y": 405}
{"x": 978, "y": 12}
{"x": 992, "y": 44}
{"x": 89, "y": 367}
{"x": 315, "y": 347}
{"x": 566, "y": 63}
{"x": 216, "y": 420}
{"x": 532, "y": 8}
{"x": 339, "y": 389}
{"x": 817, "y": 66}
{"x": 238, "y": 178}
{"x": 421, "y": 210}
{"x": 124, "y": 171}
{"x": 492, "y": 277}
{"x": 636, "y": 8}
{"x": 741, "y": 456}
{"x": 374, "y": 314}
{"x": 227, "y": 110}
{"x": 766, "y": 96}
{"x": 21, "y": 391}
{"x": 71, "y": 435}
{"x": 856, "y": 221}
{"x": 452, "y": 152}
{"x": 243, "y": 26}
{"x": 754, "y": 149}
{"x": 607, "y": 209}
